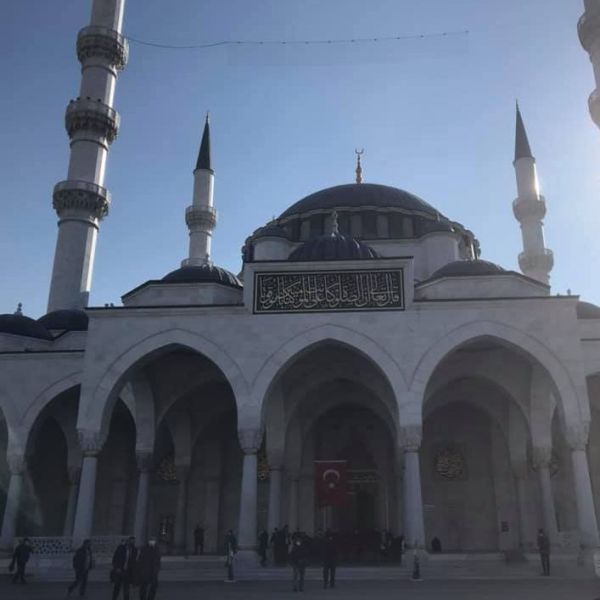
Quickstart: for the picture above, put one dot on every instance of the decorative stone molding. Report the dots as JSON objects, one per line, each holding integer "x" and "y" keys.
{"x": 16, "y": 463}
{"x": 588, "y": 29}
{"x": 87, "y": 114}
{"x": 91, "y": 442}
{"x": 541, "y": 262}
{"x": 145, "y": 461}
{"x": 81, "y": 196}
{"x": 594, "y": 106}
{"x": 103, "y": 43}
{"x": 577, "y": 435}
{"x": 530, "y": 207}
{"x": 201, "y": 217}
{"x": 250, "y": 440}
{"x": 410, "y": 437}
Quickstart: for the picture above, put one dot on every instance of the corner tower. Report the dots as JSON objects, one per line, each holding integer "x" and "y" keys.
{"x": 529, "y": 208}
{"x": 588, "y": 28}
{"x": 82, "y": 201}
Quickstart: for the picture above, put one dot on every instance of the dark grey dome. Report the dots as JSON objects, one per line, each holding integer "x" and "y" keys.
{"x": 468, "y": 268}
{"x": 21, "y": 325}
{"x": 271, "y": 230}
{"x": 70, "y": 320}
{"x": 587, "y": 310}
{"x": 202, "y": 274}
{"x": 361, "y": 195}
{"x": 332, "y": 246}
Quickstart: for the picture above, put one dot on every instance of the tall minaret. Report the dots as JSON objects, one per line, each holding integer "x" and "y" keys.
{"x": 536, "y": 260}
{"x": 92, "y": 124}
{"x": 589, "y": 35}
{"x": 201, "y": 217}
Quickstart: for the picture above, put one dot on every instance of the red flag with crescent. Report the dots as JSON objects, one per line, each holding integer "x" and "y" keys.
{"x": 331, "y": 482}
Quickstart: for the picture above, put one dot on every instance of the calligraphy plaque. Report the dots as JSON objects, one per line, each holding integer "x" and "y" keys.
{"x": 449, "y": 463}
{"x": 320, "y": 291}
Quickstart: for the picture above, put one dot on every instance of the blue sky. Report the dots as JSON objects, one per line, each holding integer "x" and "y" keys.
{"x": 435, "y": 116}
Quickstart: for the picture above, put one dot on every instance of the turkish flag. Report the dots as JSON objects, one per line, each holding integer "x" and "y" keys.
{"x": 330, "y": 482}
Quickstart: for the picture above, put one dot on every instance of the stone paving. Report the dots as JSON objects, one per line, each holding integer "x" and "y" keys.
{"x": 546, "y": 589}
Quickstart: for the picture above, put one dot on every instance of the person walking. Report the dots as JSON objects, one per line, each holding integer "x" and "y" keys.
{"x": 263, "y": 544}
{"x": 330, "y": 558}
{"x": 148, "y": 567}
{"x": 543, "y": 544}
{"x": 20, "y": 558}
{"x": 83, "y": 562}
{"x": 298, "y": 558}
{"x": 231, "y": 549}
{"x": 199, "y": 539}
{"x": 123, "y": 564}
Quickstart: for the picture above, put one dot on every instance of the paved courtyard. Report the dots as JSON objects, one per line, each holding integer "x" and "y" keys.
{"x": 550, "y": 589}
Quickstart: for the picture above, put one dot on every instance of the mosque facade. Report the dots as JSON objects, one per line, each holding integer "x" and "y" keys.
{"x": 451, "y": 397}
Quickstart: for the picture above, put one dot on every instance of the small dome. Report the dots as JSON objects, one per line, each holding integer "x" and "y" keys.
{"x": 202, "y": 274}
{"x": 587, "y": 310}
{"x": 70, "y": 320}
{"x": 332, "y": 246}
{"x": 21, "y": 325}
{"x": 271, "y": 230}
{"x": 468, "y": 268}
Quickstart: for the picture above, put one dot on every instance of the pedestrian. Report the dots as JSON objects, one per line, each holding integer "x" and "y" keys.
{"x": 148, "y": 566}
{"x": 83, "y": 562}
{"x": 263, "y": 544}
{"x": 330, "y": 557}
{"x": 231, "y": 549}
{"x": 199, "y": 539}
{"x": 543, "y": 544}
{"x": 123, "y": 566}
{"x": 20, "y": 558}
{"x": 298, "y": 558}
{"x": 436, "y": 545}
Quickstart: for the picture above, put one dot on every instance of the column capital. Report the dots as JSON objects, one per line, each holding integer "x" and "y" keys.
{"x": 144, "y": 460}
{"x": 577, "y": 435}
{"x": 541, "y": 456}
{"x": 410, "y": 437}
{"x": 250, "y": 440}
{"x": 16, "y": 463}
{"x": 91, "y": 442}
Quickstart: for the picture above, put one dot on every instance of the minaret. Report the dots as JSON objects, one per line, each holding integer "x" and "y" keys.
{"x": 589, "y": 36}
{"x": 201, "y": 217}
{"x": 529, "y": 208}
{"x": 92, "y": 124}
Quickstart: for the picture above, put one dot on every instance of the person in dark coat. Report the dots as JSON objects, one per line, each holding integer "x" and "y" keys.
{"x": 20, "y": 559}
{"x": 83, "y": 562}
{"x": 543, "y": 544}
{"x": 148, "y": 566}
{"x": 123, "y": 564}
{"x": 199, "y": 539}
{"x": 263, "y": 544}
{"x": 231, "y": 549}
{"x": 298, "y": 558}
{"x": 330, "y": 558}
{"x": 436, "y": 545}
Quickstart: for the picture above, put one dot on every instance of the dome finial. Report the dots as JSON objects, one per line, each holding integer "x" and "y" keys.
{"x": 359, "y": 153}
{"x": 333, "y": 228}
{"x": 19, "y": 310}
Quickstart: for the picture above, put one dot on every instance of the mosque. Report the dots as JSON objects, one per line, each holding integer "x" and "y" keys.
{"x": 458, "y": 399}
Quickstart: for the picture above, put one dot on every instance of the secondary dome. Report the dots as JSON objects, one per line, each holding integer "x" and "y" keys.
{"x": 587, "y": 310}
{"x": 355, "y": 195}
{"x": 20, "y": 325}
{"x": 69, "y": 320}
{"x": 202, "y": 274}
{"x": 332, "y": 246}
{"x": 468, "y": 268}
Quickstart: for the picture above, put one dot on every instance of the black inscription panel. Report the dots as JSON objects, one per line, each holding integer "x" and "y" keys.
{"x": 328, "y": 291}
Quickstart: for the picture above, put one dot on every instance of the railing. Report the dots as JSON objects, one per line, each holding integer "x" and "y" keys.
{"x": 102, "y": 545}
{"x": 80, "y": 185}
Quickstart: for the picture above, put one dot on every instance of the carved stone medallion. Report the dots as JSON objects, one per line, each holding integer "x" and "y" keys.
{"x": 449, "y": 464}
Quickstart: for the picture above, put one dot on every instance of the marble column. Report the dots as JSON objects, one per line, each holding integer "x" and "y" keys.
{"x": 293, "y": 505}
{"x": 520, "y": 471}
{"x": 212, "y": 505}
{"x": 144, "y": 463}
{"x": 91, "y": 444}
{"x": 16, "y": 465}
{"x": 250, "y": 442}
{"x": 180, "y": 536}
{"x": 577, "y": 438}
{"x": 74, "y": 474}
{"x": 414, "y": 526}
{"x": 542, "y": 457}
{"x": 274, "y": 518}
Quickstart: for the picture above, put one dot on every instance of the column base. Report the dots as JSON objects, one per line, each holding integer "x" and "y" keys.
{"x": 246, "y": 560}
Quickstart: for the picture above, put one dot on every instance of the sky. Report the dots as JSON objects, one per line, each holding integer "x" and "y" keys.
{"x": 435, "y": 116}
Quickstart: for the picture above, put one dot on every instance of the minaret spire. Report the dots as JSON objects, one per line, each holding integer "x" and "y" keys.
{"x": 536, "y": 261}
{"x": 359, "y": 176}
{"x": 82, "y": 201}
{"x": 201, "y": 217}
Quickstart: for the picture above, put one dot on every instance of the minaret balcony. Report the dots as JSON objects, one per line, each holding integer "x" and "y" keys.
{"x": 529, "y": 207}
{"x": 543, "y": 261}
{"x": 73, "y": 197}
{"x": 201, "y": 217}
{"x": 87, "y": 114}
{"x": 588, "y": 28}
{"x": 103, "y": 43}
{"x": 594, "y": 106}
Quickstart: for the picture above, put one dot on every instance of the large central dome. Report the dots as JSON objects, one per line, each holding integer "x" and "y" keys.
{"x": 361, "y": 195}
